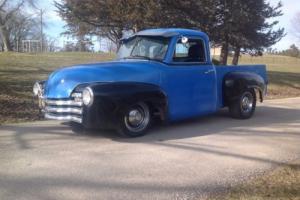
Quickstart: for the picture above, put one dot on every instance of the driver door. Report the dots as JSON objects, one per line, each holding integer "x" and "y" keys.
{"x": 191, "y": 81}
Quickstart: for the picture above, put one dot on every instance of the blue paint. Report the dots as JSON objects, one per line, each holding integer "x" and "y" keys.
{"x": 192, "y": 90}
{"x": 138, "y": 71}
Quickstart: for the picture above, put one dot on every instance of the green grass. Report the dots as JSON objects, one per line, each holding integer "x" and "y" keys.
{"x": 282, "y": 183}
{"x": 19, "y": 71}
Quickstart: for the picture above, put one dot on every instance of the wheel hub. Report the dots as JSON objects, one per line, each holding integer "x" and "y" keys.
{"x": 247, "y": 103}
{"x": 135, "y": 117}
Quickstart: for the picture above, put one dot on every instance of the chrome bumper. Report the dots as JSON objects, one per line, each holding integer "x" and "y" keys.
{"x": 63, "y": 109}
{"x": 64, "y": 118}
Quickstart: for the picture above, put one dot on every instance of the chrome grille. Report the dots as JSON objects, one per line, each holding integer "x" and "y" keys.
{"x": 63, "y": 103}
{"x": 64, "y": 109}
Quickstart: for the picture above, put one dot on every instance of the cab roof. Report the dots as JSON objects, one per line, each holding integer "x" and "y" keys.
{"x": 170, "y": 32}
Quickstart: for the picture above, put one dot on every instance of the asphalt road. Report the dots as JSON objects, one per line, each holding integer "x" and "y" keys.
{"x": 187, "y": 160}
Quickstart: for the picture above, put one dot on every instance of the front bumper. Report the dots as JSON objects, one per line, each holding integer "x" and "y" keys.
{"x": 102, "y": 114}
{"x": 97, "y": 116}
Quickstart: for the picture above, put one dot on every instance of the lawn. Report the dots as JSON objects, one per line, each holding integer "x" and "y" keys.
{"x": 283, "y": 73}
{"x": 282, "y": 183}
{"x": 19, "y": 71}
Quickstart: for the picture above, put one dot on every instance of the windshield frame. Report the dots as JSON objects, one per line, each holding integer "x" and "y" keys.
{"x": 166, "y": 41}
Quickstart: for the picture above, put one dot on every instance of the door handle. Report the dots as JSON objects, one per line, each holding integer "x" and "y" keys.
{"x": 209, "y": 71}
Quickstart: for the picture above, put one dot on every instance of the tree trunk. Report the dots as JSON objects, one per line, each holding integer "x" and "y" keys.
{"x": 5, "y": 39}
{"x": 224, "y": 53}
{"x": 236, "y": 56}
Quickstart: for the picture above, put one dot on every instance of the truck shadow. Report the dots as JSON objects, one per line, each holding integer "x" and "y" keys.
{"x": 265, "y": 116}
{"x": 221, "y": 122}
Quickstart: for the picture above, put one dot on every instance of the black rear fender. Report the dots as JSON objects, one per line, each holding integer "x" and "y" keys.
{"x": 236, "y": 82}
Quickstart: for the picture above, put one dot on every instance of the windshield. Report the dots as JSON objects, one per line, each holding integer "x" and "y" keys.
{"x": 142, "y": 47}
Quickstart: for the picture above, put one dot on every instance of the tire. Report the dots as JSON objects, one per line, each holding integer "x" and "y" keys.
{"x": 244, "y": 106}
{"x": 76, "y": 127}
{"x": 135, "y": 120}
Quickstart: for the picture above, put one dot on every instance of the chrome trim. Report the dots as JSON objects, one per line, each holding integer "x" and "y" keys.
{"x": 77, "y": 95}
{"x": 63, "y": 110}
{"x": 92, "y": 96}
{"x": 63, "y": 118}
{"x": 63, "y": 103}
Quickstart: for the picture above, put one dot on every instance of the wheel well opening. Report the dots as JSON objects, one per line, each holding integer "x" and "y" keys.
{"x": 258, "y": 94}
{"x": 157, "y": 110}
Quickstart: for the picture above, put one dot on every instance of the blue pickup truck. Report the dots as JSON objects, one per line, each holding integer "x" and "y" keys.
{"x": 164, "y": 74}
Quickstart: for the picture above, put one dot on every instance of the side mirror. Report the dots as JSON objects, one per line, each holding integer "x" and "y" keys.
{"x": 184, "y": 40}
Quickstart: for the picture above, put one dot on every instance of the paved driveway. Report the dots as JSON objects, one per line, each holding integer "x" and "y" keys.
{"x": 187, "y": 160}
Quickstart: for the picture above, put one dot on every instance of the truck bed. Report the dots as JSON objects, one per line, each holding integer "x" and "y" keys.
{"x": 223, "y": 70}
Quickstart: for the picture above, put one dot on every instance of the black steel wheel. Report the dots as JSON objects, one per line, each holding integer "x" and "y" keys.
{"x": 135, "y": 120}
{"x": 244, "y": 106}
{"x": 76, "y": 127}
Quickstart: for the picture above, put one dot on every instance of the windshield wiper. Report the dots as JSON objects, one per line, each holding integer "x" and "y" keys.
{"x": 142, "y": 57}
{"x": 138, "y": 57}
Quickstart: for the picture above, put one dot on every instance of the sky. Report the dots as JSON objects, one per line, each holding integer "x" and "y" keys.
{"x": 290, "y": 9}
{"x": 55, "y": 25}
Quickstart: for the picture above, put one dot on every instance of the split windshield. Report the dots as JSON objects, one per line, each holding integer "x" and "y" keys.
{"x": 142, "y": 47}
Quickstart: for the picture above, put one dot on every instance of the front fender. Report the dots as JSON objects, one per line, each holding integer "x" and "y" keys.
{"x": 236, "y": 82}
{"x": 111, "y": 98}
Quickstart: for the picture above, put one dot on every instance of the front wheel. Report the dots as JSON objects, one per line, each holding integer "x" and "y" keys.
{"x": 76, "y": 127}
{"x": 244, "y": 106}
{"x": 135, "y": 120}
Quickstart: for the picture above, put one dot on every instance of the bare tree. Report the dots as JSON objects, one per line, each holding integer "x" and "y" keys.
{"x": 22, "y": 27}
{"x": 1, "y": 44}
{"x": 52, "y": 45}
{"x": 8, "y": 11}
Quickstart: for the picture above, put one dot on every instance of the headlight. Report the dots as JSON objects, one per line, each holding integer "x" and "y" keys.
{"x": 37, "y": 89}
{"x": 87, "y": 96}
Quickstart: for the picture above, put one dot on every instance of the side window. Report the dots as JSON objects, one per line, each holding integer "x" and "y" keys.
{"x": 191, "y": 51}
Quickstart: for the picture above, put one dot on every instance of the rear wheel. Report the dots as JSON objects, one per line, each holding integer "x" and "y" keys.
{"x": 244, "y": 106}
{"x": 135, "y": 120}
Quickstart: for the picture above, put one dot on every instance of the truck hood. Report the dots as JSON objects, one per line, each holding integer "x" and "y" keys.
{"x": 62, "y": 82}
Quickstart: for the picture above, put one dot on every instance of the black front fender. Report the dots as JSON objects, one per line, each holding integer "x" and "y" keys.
{"x": 111, "y": 98}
